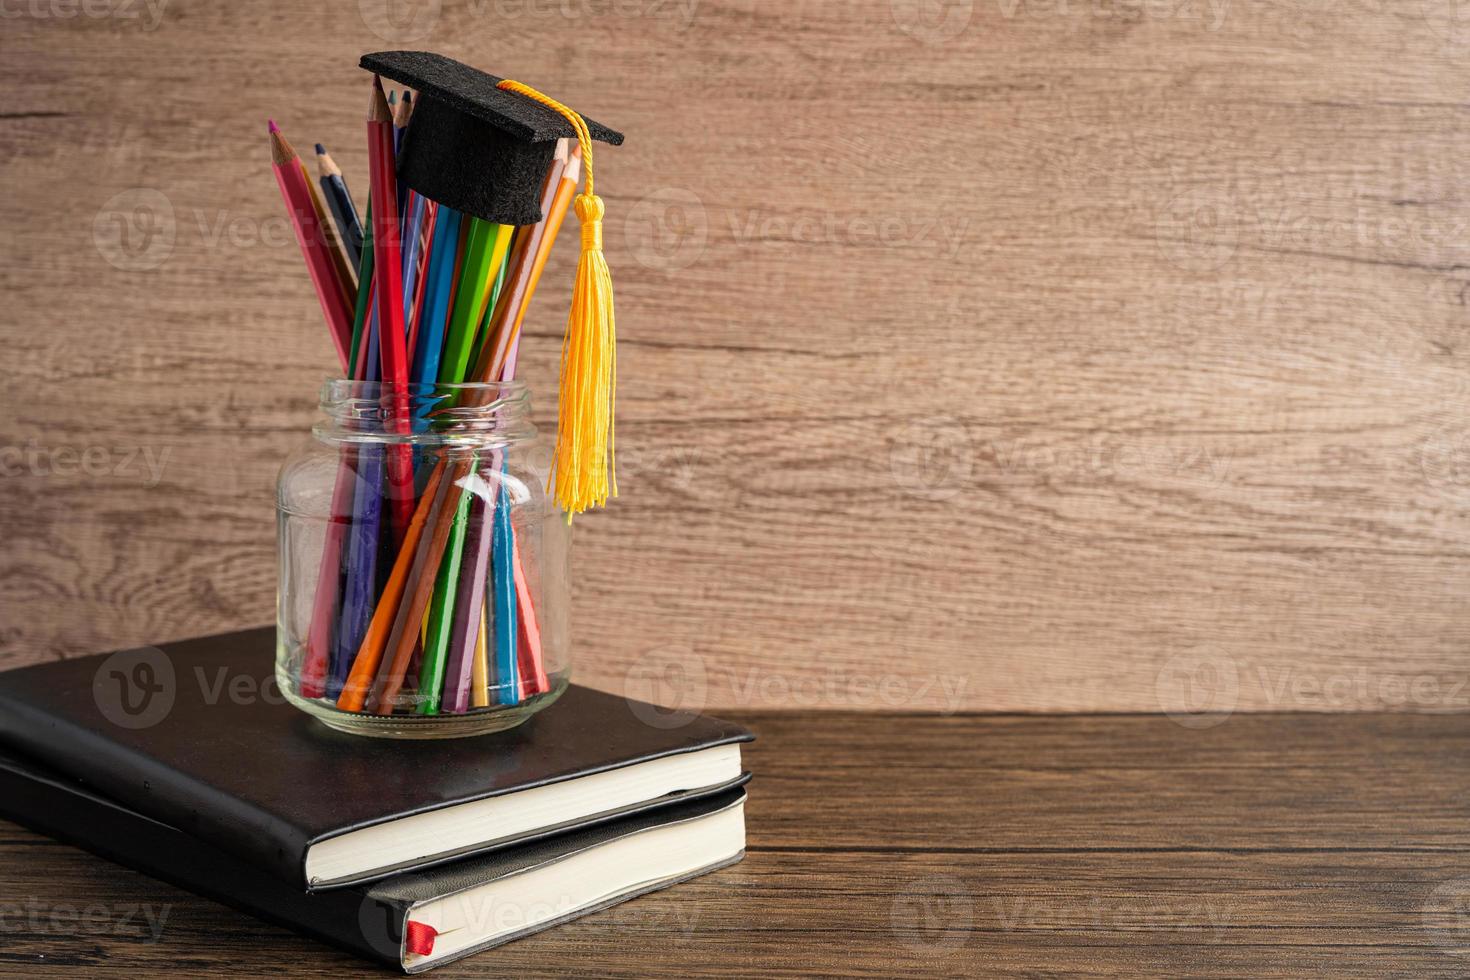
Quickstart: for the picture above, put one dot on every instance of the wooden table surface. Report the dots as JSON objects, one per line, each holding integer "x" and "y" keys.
{"x": 886, "y": 845}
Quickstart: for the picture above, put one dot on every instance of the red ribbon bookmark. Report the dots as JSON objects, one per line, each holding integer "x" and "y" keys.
{"x": 418, "y": 938}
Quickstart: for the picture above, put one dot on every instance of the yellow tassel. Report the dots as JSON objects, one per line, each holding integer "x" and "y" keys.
{"x": 585, "y": 465}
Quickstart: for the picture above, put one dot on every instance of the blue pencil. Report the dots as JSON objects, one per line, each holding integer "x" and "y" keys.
{"x": 412, "y": 234}
{"x": 502, "y": 566}
{"x": 443, "y": 263}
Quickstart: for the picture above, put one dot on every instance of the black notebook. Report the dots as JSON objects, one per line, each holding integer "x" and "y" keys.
{"x": 194, "y": 734}
{"x": 414, "y": 921}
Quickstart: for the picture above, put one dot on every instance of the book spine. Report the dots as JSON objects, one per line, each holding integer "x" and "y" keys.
{"x": 135, "y": 780}
{"x": 347, "y": 918}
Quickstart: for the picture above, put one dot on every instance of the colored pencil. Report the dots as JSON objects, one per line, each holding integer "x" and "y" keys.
{"x": 413, "y": 229}
{"x": 360, "y": 587}
{"x": 401, "y": 114}
{"x": 480, "y": 670}
{"x": 443, "y": 260}
{"x": 469, "y": 607}
{"x": 339, "y": 199}
{"x": 388, "y": 259}
{"x": 507, "y": 669}
{"x": 532, "y": 250}
{"x": 361, "y": 308}
{"x": 421, "y": 281}
{"x": 315, "y": 246}
{"x": 369, "y": 654}
{"x": 484, "y": 250}
{"x": 441, "y": 612}
{"x": 336, "y": 247}
{"x": 424, "y": 568}
{"x": 532, "y": 665}
{"x": 521, "y": 282}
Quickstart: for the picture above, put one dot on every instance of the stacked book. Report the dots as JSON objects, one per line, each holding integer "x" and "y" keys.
{"x": 185, "y": 763}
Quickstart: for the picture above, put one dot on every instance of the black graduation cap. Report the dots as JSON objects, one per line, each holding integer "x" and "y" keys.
{"x": 471, "y": 146}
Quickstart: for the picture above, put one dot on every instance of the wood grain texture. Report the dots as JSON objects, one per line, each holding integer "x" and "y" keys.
{"x": 892, "y": 845}
{"x": 1100, "y": 356}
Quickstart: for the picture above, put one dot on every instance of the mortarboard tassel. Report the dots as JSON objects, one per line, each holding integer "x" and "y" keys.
{"x": 585, "y": 467}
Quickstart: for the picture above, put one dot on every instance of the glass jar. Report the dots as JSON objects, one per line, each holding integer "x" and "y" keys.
{"x": 423, "y": 571}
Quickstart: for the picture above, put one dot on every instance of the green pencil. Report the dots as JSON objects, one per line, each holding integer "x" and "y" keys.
{"x": 485, "y": 250}
{"x": 364, "y": 287}
{"x": 441, "y": 614}
{"x": 484, "y": 330}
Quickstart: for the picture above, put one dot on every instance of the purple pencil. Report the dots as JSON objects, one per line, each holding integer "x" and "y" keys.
{"x": 468, "y": 602}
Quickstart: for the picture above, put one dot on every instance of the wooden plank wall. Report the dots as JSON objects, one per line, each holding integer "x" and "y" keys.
{"x": 1005, "y": 354}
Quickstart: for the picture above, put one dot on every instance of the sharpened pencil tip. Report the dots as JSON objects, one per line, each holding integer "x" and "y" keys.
{"x": 273, "y": 127}
{"x": 320, "y": 150}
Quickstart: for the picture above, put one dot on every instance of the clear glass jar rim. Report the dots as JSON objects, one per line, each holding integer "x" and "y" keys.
{"x": 345, "y": 389}
{"x": 491, "y": 413}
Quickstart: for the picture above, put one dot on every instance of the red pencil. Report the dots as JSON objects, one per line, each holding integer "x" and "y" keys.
{"x": 388, "y": 294}
{"x": 315, "y": 244}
